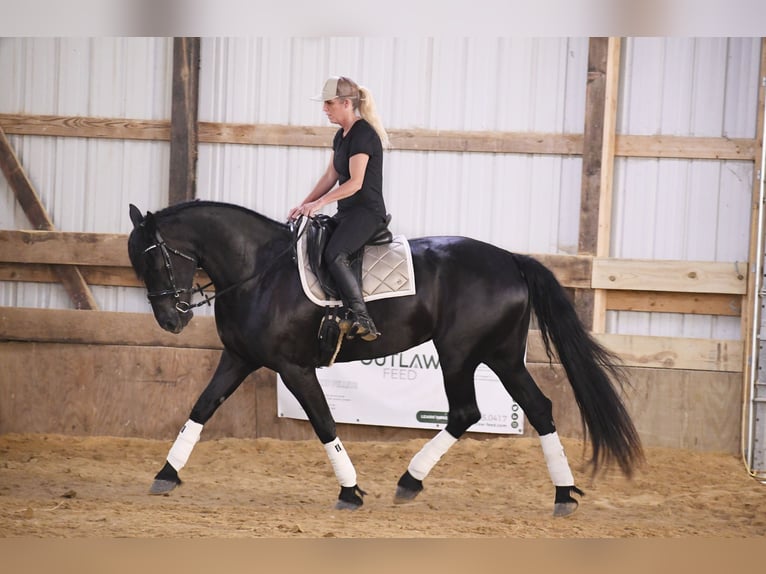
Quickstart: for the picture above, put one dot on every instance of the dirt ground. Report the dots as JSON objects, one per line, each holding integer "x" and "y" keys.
{"x": 77, "y": 487}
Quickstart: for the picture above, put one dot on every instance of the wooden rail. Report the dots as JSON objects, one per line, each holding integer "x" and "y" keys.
{"x": 657, "y": 146}
{"x": 140, "y": 329}
{"x": 696, "y": 287}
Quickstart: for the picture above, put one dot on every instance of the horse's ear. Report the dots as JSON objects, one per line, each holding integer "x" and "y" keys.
{"x": 135, "y": 216}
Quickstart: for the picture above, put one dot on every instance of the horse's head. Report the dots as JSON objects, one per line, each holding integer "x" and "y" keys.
{"x": 167, "y": 270}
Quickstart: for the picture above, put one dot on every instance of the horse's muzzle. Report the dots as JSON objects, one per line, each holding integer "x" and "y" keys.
{"x": 175, "y": 321}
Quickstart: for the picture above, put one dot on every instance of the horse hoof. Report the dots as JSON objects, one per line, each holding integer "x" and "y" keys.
{"x": 350, "y": 498}
{"x": 161, "y": 486}
{"x": 564, "y": 508}
{"x": 565, "y": 504}
{"x": 345, "y": 505}
{"x": 405, "y": 495}
{"x": 407, "y": 488}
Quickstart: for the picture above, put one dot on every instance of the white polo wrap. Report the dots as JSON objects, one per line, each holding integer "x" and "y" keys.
{"x": 182, "y": 448}
{"x": 341, "y": 463}
{"x": 556, "y": 459}
{"x": 422, "y": 463}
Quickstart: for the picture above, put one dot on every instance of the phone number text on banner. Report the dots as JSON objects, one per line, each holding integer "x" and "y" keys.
{"x": 404, "y": 390}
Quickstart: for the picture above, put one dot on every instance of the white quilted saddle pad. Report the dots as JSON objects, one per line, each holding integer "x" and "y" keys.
{"x": 386, "y": 272}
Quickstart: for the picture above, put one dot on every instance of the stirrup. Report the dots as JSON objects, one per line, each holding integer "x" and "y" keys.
{"x": 362, "y": 327}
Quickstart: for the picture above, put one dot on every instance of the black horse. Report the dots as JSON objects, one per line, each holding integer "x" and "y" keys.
{"x": 473, "y": 300}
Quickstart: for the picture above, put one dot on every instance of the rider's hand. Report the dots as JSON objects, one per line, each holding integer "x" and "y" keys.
{"x": 294, "y": 213}
{"x": 308, "y": 209}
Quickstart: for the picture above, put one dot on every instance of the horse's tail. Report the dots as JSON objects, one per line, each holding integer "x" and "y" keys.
{"x": 590, "y": 369}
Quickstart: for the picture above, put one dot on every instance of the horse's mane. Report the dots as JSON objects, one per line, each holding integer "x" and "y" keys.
{"x": 136, "y": 241}
{"x": 202, "y": 203}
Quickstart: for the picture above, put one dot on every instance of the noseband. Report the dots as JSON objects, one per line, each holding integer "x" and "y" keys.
{"x": 166, "y": 250}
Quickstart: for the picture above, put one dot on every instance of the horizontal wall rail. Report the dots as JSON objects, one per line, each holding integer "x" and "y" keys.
{"x": 656, "y": 146}
{"x": 689, "y": 287}
{"x": 140, "y": 329}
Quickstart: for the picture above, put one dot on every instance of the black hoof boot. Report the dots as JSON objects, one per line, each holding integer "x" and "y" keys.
{"x": 564, "y": 505}
{"x": 407, "y": 488}
{"x": 165, "y": 480}
{"x": 350, "y": 498}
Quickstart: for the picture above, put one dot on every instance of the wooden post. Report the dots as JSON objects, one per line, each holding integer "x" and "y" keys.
{"x": 606, "y": 179}
{"x": 749, "y": 300}
{"x": 593, "y": 137}
{"x": 183, "y": 121}
{"x": 70, "y": 276}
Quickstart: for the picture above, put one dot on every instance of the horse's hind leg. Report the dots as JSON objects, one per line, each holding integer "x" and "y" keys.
{"x": 538, "y": 410}
{"x": 463, "y": 412}
{"x": 228, "y": 376}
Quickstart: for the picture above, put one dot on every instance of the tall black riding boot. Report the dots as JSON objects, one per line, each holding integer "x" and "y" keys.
{"x": 351, "y": 293}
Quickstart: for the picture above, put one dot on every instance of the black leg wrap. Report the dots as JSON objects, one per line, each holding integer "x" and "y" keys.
{"x": 407, "y": 488}
{"x": 565, "y": 504}
{"x": 350, "y": 498}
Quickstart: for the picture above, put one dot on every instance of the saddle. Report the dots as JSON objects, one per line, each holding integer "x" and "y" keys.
{"x": 318, "y": 233}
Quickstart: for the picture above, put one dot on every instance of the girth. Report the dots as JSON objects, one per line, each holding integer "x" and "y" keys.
{"x": 318, "y": 233}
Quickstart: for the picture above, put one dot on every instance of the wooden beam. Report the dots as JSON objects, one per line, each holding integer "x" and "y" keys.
{"x": 401, "y": 139}
{"x": 751, "y": 312}
{"x": 590, "y": 181}
{"x": 675, "y": 352}
{"x": 94, "y": 275}
{"x": 66, "y": 248}
{"x": 107, "y": 253}
{"x": 85, "y": 127}
{"x": 686, "y": 147}
{"x": 70, "y": 277}
{"x": 667, "y": 275}
{"x": 593, "y": 144}
{"x": 102, "y": 328}
{"x": 140, "y": 329}
{"x": 603, "y": 241}
{"x": 662, "y": 146}
{"x": 719, "y": 304}
{"x": 183, "y": 122}
{"x": 571, "y": 270}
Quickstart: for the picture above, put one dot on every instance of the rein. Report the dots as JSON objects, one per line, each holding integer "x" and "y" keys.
{"x": 183, "y": 306}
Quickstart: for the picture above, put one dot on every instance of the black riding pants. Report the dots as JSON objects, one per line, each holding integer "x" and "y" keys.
{"x": 355, "y": 228}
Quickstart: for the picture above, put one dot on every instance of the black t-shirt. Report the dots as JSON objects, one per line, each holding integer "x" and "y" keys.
{"x": 361, "y": 138}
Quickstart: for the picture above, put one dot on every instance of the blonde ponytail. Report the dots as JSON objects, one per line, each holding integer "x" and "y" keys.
{"x": 362, "y": 101}
{"x": 369, "y": 112}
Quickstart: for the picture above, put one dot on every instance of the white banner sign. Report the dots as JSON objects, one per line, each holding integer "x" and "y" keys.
{"x": 404, "y": 390}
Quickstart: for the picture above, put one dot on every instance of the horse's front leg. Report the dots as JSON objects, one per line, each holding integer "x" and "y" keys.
{"x": 229, "y": 374}
{"x": 463, "y": 412}
{"x": 303, "y": 384}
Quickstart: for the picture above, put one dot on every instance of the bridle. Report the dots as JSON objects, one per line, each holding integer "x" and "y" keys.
{"x": 181, "y": 306}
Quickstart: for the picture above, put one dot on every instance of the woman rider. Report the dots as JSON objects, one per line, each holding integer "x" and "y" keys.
{"x": 357, "y": 167}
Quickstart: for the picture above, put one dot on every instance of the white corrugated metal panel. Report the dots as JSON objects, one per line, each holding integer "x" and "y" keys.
{"x": 689, "y": 87}
{"x": 106, "y": 77}
{"x": 450, "y": 84}
{"x": 663, "y": 208}
{"x": 86, "y": 184}
{"x": 461, "y": 84}
{"x": 685, "y": 209}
